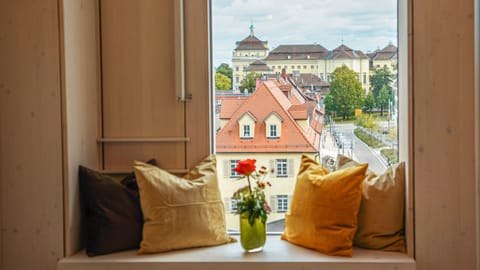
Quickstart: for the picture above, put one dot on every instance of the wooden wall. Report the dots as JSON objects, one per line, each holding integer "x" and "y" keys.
{"x": 30, "y": 136}
{"x": 81, "y": 118}
{"x": 443, "y": 128}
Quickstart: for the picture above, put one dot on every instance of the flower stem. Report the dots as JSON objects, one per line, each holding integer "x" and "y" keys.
{"x": 249, "y": 185}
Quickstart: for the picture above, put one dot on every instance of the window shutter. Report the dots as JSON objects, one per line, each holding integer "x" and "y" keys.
{"x": 226, "y": 203}
{"x": 291, "y": 168}
{"x": 226, "y": 169}
{"x": 272, "y": 166}
{"x": 273, "y": 202}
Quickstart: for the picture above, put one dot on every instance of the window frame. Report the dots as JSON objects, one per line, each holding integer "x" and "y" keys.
{"x": 233, "y": 164}
{"x": 245, "y": 128}
{"x": 283, "y": 202}
{"x": 281, "y": 172}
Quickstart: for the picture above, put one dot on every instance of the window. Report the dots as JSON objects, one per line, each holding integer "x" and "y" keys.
{"x": 246, "y": 131}
{"x": 281, "y": 168}
{"x": 237, "y": 79}
{"x": 282, "y": 203}
{"x": 272, "y": 133}
{"x": 233, "y": 174}
{"x": 233, "y": 205}
{"x": 236, "y": 68}
{"x": 275, "y": 129}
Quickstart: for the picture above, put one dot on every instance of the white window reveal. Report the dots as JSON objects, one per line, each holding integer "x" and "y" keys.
{"x": 233, "y": 205}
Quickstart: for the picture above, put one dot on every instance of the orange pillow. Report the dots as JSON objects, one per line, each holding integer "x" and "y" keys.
{"x": 324, "y": 208}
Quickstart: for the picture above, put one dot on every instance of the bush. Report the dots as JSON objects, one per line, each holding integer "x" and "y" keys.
{"x": 369, "y": 139}
{"x": 391, "y": 154}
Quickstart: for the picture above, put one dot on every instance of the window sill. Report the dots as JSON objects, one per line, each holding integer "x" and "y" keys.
{"x": 277, "y": 254}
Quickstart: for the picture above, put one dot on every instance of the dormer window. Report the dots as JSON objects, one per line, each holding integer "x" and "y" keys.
{"x": 273, "y": 124}
{"x": 246, "y": 125}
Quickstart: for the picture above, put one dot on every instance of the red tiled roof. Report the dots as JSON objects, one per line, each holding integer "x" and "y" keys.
{"x": 267, "y": 98}
{"x": 230, "y": 105}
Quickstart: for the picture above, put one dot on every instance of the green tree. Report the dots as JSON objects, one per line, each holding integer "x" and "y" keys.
{"x": 222, "y": 82}
{"x": 346, "y": 93}
{"x": 380, "y": 77}
{"x": 369, "y": 103}
{"x": 383, "y": 99}
{"x": 226, "y": 70}
{"x": 249, "y": 81}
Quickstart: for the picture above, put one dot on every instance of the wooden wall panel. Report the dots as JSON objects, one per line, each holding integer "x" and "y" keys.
{"x": 81, "y": 106}
{"x": 30, "y": 136}
{"x": 444, "y": 152}
{"x": 197, "y": 81}
{"x": 138, "y": 82}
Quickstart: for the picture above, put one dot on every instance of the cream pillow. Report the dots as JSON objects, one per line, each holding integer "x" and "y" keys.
{"x": 180, "y": 212}
{"x": 381, "y": 215}
{"x": 323, "y": 212}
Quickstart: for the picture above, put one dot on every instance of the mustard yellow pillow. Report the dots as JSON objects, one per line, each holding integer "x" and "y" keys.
{"x": 323, "y": 212}
{"x": 381, "y": 215}
{"x": 180, "y": 212}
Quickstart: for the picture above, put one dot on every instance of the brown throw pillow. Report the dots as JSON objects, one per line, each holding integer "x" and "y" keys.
{"x": 381, "y": 214}
{"x": 113, "y": 215}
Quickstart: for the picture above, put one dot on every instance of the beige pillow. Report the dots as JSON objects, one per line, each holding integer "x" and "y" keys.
{"x": 382, "y": 209}
{"x": 180, "y": 212}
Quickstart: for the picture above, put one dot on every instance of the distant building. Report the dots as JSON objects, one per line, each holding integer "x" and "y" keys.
{"x": 386, "y": 57}
{"x": 252, "y": 55}
{"x": 275, "y": 125}
{"x": 246, "y": 52}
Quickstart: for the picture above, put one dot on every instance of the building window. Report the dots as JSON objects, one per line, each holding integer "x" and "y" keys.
{"x": 279, "y": 67}
{"x": 273, "y": 67}
{"x": 236, "y": 68}
{"x": 244, "y": 69}
{"x": 299, "y": 67}
{"x": 312, "y": 66}
{"x": 293, "y": 67}
{"x": 246, "y": 132}
{"x": 305, "y": 67}
{"x": 282, "y": 203}
{"x": 321, "y": 76}
{"x": 281, "y": 168}
{"x": 233, "y": 205}
{"x": 272, "y": 132}
{"x": 237, "y": 79}
{"x": 364, "y": 78}
{"x": 233, "y": 164}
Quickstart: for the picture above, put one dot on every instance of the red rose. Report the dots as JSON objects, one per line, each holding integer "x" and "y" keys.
{"x": 245, "y": 167}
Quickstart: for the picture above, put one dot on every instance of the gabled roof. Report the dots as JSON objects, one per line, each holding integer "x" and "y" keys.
{"x": 267, "y": 98}
{"x": 344, "y": 52}
{"x": 274, "y": 113}
{"x": 248, "y": 114}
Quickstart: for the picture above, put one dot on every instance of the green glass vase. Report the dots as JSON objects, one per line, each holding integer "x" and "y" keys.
{"x": 252, "y": 237}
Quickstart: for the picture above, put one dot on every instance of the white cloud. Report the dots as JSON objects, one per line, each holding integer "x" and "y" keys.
{"x": 361, "y": 24}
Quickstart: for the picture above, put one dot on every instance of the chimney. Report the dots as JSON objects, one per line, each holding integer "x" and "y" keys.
{"x": 284, "y": 74}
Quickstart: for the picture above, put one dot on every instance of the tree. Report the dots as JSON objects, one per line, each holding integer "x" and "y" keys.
{"x": 383, "y": 99}
{"x": 222, "y": 82}
{"x": 346, "y": 93}
{"x": 380, "y": 77}
{"x": 227, "y": 71}
{"x": 369, "y": 103}
{"x": 250, "y": 81}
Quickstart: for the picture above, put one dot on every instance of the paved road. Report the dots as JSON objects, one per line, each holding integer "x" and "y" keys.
{"x": 362, "y": 152}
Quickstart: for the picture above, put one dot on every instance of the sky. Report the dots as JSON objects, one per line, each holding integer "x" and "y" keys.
{"x": 362, "y": 24}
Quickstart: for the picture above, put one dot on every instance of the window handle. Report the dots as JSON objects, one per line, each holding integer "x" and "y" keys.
{"x": 180, "y": 91}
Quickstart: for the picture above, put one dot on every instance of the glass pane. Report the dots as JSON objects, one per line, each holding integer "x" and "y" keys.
{"x": 286, "y": 65}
